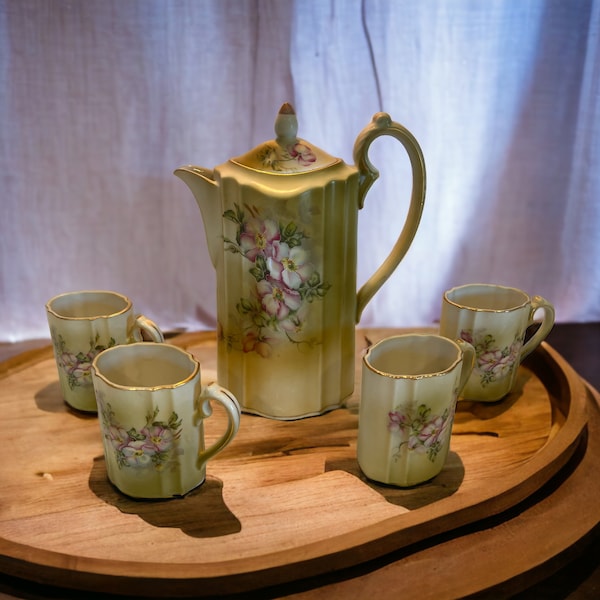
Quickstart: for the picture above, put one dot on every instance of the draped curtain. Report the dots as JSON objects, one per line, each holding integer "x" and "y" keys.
{"x": 100, "y": 100}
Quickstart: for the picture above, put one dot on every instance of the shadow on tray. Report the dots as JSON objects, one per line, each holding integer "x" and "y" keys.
{"x": 443, "y": 485}
{"x": 201, "y": 513}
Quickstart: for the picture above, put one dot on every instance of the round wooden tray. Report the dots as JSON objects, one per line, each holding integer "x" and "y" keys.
{"x": 285, "y": 501}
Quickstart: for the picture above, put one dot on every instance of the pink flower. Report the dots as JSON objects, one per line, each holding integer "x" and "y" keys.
{"x": 78, "y": 368}
{"x": 158, "y": 438}
{"x": 289, "y": 265}
{"x": 302, "y": 153}
{"x": 136, "y": 454}
{"x": 277, "y": 300}
{"x": 253, "y": 343}
{"x": 432, "y": 431}
{"x": 118, "y": 437}
{"x": 68, "y": 361}
{"x": 82, "y": 372}
{"x": 415, "y": 444}
{"x": 293, "y": 323}
{"x": 495, "y": 364}
{"x": 467, "y": 336}
{"x": 397, "y": 421}
{"x": 257, "y": 237}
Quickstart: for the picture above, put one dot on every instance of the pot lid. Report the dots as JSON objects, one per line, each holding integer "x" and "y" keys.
{"x": 287, "y": 154}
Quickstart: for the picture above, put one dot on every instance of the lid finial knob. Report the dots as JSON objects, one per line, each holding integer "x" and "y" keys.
{"x": 286, "y": 124}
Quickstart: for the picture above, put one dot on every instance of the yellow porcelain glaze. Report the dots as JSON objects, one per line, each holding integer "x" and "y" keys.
{"x": 84, "y": 323}
{"x": 410, "y": 385}
{"x": 152, "y": 408}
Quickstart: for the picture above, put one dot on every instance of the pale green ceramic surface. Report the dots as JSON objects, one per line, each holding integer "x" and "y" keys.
{"x": 152, "y": 408}
{"x": 410, "y": 386}
{"x": 494, "y": 319}
{"x": 81, "y": 325}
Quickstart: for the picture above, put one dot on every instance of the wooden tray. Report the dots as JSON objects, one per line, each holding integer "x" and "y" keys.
{"x": 285, "y": 501}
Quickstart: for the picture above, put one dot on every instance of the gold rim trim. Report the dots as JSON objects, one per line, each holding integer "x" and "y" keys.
{"x": 337, "y": 161}
{"x": 445, "y": 371}
{"x": 52, "y": 311}
{"x": 489, "y": 286}
{"x": 151, "y": 388}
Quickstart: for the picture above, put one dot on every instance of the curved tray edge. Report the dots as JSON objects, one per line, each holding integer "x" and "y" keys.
{"x": 337, "y": 553}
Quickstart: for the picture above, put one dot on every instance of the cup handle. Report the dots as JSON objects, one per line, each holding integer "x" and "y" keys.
{"x": 142, "y": 326}
{"x": 543, "y": 330}
{"x": 214, "y": 391}
{"x": 468, "y": 362}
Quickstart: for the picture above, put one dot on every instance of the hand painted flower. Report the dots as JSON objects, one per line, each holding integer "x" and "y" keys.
{"x": 253, "y": 343}
{"x": 78, "y": 368}
{"x": 83, "y": 372}
{"x": 467, "y": 336}
{"x": 118, "y": 437}
{"x": 270, "y": 157}
{"x": 289, "y": 265}
{"x": 397, "y": 421}
{"x": 158, "y": 438}
{"x": 68, "y": 361}
{"x": 302, "y": 153}
{"x": 277, "y": 300}
{"x": 432, "y": 431}
{"x": 495, "y": 364}
{"x": 416, "y": 444}
{"x": 257, "y": 237}
{"x": 137, "y": 454}
{"x": 293, "y": 323}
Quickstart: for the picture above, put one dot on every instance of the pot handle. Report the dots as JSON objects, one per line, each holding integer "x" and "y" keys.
{"x": 382, "y": 124}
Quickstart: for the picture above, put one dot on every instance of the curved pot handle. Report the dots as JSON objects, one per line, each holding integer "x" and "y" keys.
{"x": 382, "y": 124}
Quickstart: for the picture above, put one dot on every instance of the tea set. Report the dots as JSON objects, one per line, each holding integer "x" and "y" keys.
{"x": 281, "y": 226}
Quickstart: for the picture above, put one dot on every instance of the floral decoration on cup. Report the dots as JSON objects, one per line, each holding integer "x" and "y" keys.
{"x": 154, "y": 444}
{"x": 421, "y": 431}
{"x": 492, "y": 362}
{"x": 77, "y": 365}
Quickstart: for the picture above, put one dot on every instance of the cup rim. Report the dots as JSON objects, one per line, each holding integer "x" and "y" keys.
{"x": 407, "y": 376}
{"x": 49, "y": 305}
{"x": 129, "y": 348}
{"x": 526, "y": 299}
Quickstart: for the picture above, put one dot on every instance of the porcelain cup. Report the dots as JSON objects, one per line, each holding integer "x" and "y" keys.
{"x": 152, "y": 407}
{"x": 410, "y": 386}
{"x": 494, "y": 319}
{"x": 84, "y": 323}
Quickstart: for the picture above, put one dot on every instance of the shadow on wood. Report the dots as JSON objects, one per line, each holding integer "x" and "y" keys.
{"x": 202, "y": 513}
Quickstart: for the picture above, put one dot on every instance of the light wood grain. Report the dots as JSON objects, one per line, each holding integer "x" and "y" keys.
{"x": 285, "y": 500}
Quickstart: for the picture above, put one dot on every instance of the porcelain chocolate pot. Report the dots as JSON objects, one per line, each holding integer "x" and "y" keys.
{"x": 281, "y": 226}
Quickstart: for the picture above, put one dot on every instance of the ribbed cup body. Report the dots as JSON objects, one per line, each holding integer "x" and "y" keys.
{"x": 494, "y": 319}
{"x": 81, "y": 325}
{"x": 409, "y": 391}
{"x": 152, "y": 437}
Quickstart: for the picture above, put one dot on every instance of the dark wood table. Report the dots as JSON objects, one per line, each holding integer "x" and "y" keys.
{"x": 573, "y": 574}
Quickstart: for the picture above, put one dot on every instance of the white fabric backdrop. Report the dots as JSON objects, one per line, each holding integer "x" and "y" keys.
{"x": 101, "y": 99}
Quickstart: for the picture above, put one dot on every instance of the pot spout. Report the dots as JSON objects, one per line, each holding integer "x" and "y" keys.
{"x": 206, "y": 192}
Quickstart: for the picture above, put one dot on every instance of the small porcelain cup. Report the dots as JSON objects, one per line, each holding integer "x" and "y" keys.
{"x": 410, "y": 385}
{"x": 494, "y": 319}
{"x": 84, "y": 323}
{"x": 152, "y": 408}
